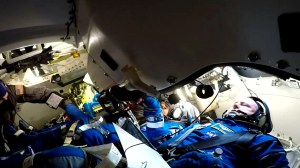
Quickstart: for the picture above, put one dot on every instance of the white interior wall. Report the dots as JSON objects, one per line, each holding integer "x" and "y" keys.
{"x": 282, "y": 101}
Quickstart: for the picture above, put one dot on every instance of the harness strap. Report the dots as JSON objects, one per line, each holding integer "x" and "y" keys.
{"x": 28, "y": 162}
{"x": 70, "y": 134}
{"x": 180, "y": 138}
{"x": 242, "y": 141}
{"x": 6, "y": 147}
{"x": 19, "y": 132}
{"x": 211, "y": 142}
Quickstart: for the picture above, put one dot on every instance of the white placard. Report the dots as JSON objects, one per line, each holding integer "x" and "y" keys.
{"x": 137, "y": 153}
{"x": 54, "y": 100}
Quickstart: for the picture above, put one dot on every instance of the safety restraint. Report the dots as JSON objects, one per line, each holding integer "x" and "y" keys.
{"x": 70, "y": 134}
{"x": 242, "y": 140}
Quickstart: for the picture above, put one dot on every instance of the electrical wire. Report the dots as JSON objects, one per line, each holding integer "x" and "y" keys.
{"x": 253, "y": 92}
{"x": 134, "y": 146}
{"x": 208, "y": 105}
{"x": 71, "y": 20}
{"x": 196, "y": 117}
{"x": 212, "y": 100}
{"x": 199, "y": 81}
{"x": 249, "y": 90}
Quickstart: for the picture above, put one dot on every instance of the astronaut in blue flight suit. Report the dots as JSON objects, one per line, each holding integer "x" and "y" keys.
{"x": 246, "y": 115}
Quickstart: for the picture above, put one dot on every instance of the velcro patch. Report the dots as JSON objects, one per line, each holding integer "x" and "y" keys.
{"x": 19, "y": 89}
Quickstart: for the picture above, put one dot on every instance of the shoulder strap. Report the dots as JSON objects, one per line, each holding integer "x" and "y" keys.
{"x": 242, "y": 144}
{"x": 211, "y": 142}
{"x": 242, "y": 140}
{"x": 6, "y": 147}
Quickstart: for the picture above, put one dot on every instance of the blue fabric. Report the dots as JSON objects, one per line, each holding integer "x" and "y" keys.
{"x": 46, "y": 139}
{"x": 75, "y": 114}
{"x": 152, "y": 106}
{"x": 63, "y": 156}
{"x": 197, "y": 160}
{"x": 14, "y": 159}
{"x": 153, "y": 110}
{"x": 263, "y": 151}
{"x": 2, "y": 89}
{"x": 63, "y": 151}
{"x": 88, "y": 107}
{"x": 93, "y": 137}
{"x": 263, "y": 146}
{"x": 182, "y": 131}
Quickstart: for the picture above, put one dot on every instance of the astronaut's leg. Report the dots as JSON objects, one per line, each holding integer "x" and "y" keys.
{"x": 63, "y": 156}
{"x": 45, "y": 139}
{"x": 15, "y": 158}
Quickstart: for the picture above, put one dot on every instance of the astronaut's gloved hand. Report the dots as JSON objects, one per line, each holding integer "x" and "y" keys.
{"x": 75, "y": 114}
{"x": 67, "y": 99}
{"x": 155, "y": 129}
{"x": 64, "y": 103}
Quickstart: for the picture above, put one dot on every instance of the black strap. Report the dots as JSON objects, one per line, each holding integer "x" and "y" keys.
{"x": 243, "y": 139}
{"x": 243, "y": 142}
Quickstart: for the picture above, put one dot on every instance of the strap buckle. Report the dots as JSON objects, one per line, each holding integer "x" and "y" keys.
{"x": 172, "y": 152}
{"x": 169, "y": 153}
{"x": 103, "y": 132}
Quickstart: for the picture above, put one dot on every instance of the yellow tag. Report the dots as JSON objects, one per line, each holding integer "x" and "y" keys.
{"x": 19, "y": 89}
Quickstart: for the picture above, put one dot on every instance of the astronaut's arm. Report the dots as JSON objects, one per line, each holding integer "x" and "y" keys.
{"x": 35, "y": 94}
{"x": 269, "y": 154}
{"x": 155, "y": 122}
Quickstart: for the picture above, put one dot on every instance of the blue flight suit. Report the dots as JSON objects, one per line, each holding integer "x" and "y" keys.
{"x": 61, "y": 156}
{"x": 155, "y": 131}
{"x": 263, "y": 151}
{"x": 45, "y": 139}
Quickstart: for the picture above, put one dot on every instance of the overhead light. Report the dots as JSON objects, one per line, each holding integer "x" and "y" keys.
{"x": 180, "y": 94}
